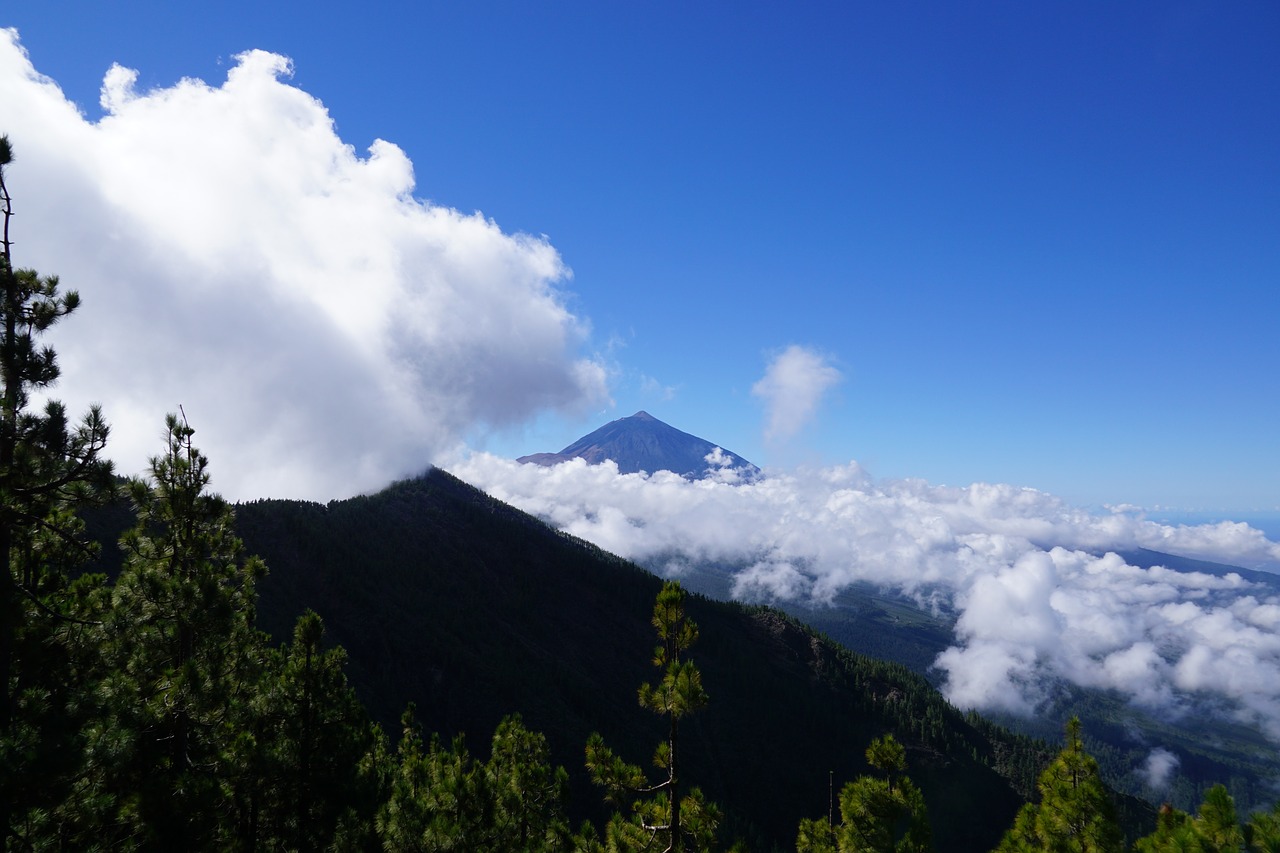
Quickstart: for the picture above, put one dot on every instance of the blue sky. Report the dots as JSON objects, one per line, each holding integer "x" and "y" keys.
{"x": 1038, "y": 242}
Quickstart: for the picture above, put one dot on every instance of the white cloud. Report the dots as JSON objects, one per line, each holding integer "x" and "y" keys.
{"x": 1037, "y": 590}
{"x": 653, "y": 388}
{"x": 325, "y": 330}
{"x": 1158, "y": 767}
{"x": 791, "y": 388}
{"x": 770, "y": 580}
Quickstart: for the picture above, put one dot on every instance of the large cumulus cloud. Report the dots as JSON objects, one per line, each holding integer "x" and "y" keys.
{"x": 1036, "y": 587}
{"x": 324, "y": 329}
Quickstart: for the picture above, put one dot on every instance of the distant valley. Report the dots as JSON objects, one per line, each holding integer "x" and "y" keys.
{"x": 876, "y": 620}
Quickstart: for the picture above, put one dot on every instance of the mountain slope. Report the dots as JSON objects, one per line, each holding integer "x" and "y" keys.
{"x": 644, "y": 443}
{"x": 448, "y": 598}
{"x": 1210, "y": 749}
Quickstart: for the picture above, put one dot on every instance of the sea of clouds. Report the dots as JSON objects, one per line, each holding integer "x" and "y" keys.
{"x": 1036, "y": 588}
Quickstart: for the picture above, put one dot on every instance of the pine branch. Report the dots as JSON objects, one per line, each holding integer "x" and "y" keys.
{"x": 48, "y": 611}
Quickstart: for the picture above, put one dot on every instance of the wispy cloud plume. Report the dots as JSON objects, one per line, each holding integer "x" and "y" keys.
{"x": 1158, "y": 768}
{"x": 1037, "y": 590}
{"x": 792, "y": 387}
{"x": 325, "y": 330}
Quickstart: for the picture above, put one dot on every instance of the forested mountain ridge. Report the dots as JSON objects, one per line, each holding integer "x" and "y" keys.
{"x": 472, "y": 609}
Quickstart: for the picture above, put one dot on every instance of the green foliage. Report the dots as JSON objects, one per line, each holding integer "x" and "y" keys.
{"x": 442, "y": 799}
{"x": 878, "y": 815}
{"x": 48, "y": 469}
{"x": 1215, "y": 829}
{"x": 816, "y": 836}
{"x": 1217, "y": 821}
{"x": 1175, "y": 833}
{"x": 182, "y": 657}
{"x": 303, "y": 763}
{"x": 1263, "y": 831}
{"x": 1075, "y": 812}
{"x": 661, "y": 817}
{"x": 437, "y": 799}
{"x": 189, "y": 732}
{"x": 888, "y": 756}
{"x": 881, "y": 818}
{"x": 529, "y": 795}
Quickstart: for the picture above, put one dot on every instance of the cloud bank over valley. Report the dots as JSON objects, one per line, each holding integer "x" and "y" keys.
{"x": 1035, "y": 585}
{"x": 325, "y": 330}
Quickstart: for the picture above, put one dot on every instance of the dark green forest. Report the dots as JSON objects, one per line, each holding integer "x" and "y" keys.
{"x": 429, "y": 669}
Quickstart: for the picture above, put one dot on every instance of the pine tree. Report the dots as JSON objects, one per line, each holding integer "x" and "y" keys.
{"x": 1263, "y": 831}
{"x": 1215, "y": 829}
{"x": 878, "y": 814}
{"x": 439, "y": 798}
{"x": 1075, "y": 812}
{"x": 1175, "y": 832}
{"x": 816, "y": 835}
{"x": 184, "y": 660}
{"x": 529, "y": 795}
{"x": 302, "y": 760}
{"x": 48, "y": 469}
{"x": 676, "y": 821}
{"x": 1217, "y": 821}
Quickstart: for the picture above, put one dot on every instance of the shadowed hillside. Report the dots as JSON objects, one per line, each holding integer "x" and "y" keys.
{"x": 472, "y": 609}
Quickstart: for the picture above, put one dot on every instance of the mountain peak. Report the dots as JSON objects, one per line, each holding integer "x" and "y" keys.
{"x": 644, "y": 443}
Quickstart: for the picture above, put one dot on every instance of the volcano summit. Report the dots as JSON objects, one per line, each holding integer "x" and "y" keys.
{"x": 644, "y": 443}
